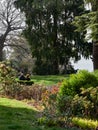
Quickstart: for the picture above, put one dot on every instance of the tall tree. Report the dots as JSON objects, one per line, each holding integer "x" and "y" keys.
{"x": 93, "y": 25}
{"x": 10, "y": 23}
{"x": 51, "y": 34}
{"x": 87, "y": 23}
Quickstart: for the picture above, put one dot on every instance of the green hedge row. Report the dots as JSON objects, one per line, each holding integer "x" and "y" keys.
{"x": 25, "y": 82}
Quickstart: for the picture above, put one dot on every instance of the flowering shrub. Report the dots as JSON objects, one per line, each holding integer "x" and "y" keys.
{"x": 49, "y": 99}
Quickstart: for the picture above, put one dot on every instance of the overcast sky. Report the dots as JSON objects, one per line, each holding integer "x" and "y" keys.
{"x": 84, "y": 64}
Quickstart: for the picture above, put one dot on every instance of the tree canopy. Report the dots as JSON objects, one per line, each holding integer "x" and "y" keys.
{"x": 52, "y": 35}
{"x": 87, "y": 23}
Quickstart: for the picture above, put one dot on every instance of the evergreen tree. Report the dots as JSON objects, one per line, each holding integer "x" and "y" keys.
{"x": 51, "y": 34}
{"x": 87, "y": 23}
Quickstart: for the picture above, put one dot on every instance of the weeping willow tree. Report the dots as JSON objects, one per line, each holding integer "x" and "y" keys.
{"x": 88, "y": 24}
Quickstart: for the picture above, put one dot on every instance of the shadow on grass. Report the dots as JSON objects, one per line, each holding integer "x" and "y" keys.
{"x": 21, "y": 119}
{"x": 17, "y": 118}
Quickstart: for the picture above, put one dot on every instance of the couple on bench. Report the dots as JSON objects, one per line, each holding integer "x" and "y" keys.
{"x": 22, "y": 77}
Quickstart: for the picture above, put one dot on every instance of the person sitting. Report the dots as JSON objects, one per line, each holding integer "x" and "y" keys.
{"x": 27, "y": 77}
{"x": 22, "y": 77}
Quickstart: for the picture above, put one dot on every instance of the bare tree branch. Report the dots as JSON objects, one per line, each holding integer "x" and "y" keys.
{"x": 11, "y": 23}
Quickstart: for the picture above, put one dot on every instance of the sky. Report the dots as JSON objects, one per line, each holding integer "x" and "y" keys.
{"x": 84, "y": 64}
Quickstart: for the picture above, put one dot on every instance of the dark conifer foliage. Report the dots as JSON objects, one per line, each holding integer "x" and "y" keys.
{"x": 52, "y": 35}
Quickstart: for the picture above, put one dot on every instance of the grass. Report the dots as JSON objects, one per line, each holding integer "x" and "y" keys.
{"x": 16, "y": 115}
{"x": 48, "y": 80}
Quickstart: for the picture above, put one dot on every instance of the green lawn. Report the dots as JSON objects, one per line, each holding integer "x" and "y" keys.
{"x": 16, "y": 115}
{"x": 48, "y": 80}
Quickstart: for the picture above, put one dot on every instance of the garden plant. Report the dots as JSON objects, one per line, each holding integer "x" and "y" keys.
{"x": 61, "y": 106}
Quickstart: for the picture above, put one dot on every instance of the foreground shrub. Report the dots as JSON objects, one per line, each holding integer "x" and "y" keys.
{"x": 50, "y": 117}
{"x": 95, "y": 73}
{"x": 86, "y": 103}
{"x": 49, "y": 99}
{"x": 31, "y": 92}
{"x": 85, "y": 123}
{"x": 8, "y": 85}
{"x": 72, "y": 86}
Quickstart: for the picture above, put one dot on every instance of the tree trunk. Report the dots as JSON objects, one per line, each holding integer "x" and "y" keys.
{"x": 95, "y": 56}
{"x": 55, "y": 39}
{"x": 55, "y": 66}
{"x": 2, "y": 40}
{"x": 1, "y": 52}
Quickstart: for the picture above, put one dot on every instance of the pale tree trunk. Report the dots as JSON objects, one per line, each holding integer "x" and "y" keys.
{"x": 95, "y": 56}
{"x": 2, "y": 40}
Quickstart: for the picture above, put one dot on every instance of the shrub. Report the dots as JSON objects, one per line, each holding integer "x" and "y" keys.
{"x": 85, "y": 123}
{"x": 89, "y": 103}
{"x": 25, "y": 82}
{"x": 72, "y": 86}
{"x": 50, "y": 106}
{"x": 49, "y": 99}
{"x": 34, "y": 91}
{"x": 11, "y": 88}
{"x": 64, "y": 105}
{"x": 84, "y": 104}
{"x": 82, "y": 79}
{"x": 47, "y": 121}
{"x": 8, "y": 85}
{"x": 96, "y": 73}
{"x": 80, "y": 106}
